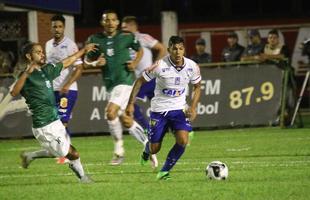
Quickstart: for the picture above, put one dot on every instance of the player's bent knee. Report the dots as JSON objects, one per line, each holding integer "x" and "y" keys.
{"x": 111, "y": 115}
{"x": 73, "y": 154}
{"x": 58, "y": 149}
{"x": 182, "y": 142}
{"x": 154, "y": 148}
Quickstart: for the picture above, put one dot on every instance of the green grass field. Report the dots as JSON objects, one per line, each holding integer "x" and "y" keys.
{"x": 264, "y": 163}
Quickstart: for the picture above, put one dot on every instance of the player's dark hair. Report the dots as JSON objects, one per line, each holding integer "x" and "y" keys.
{"x": 130, "y": 19}
{"x": 175, "y": 40}
{"x": 27, "y": 49}
{"x": 21, "y": 64}
{"x": 108, "y": 12}
{"x": 274, "y": 32}
{"x": 58, "y": 18}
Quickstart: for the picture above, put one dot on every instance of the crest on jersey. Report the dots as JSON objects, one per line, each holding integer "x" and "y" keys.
{"x": 165, "y": 69}
{"x": 110, "y": 52}
{"x": 48, "y": 84}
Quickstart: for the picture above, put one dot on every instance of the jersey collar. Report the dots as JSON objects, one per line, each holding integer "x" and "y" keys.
{"x": 55, "y": 44}
{"x": 178, "y": 68}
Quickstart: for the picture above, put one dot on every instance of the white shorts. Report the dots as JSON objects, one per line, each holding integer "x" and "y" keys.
{"x": 54, "y": 138}
{"x": 120, "y": 95}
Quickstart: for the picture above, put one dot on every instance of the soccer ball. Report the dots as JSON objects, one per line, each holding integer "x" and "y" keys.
{"x": 217, "y": 170}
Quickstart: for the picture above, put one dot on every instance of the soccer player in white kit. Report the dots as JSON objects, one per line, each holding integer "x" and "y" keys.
{"x": 65, "y": 86}
{"x": 153, "y": 50}
{"x": 173, "y": 73}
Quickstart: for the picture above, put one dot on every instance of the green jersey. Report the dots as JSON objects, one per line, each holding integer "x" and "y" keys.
{"x": 39, "y": 94}
{"x": 116, "y": 53}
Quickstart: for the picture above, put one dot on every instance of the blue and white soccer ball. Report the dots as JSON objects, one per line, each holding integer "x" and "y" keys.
{"x": 217, "y": 170}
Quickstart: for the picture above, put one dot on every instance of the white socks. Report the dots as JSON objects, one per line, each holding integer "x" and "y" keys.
{"x": 138, "y": 132}
{"x": 119, "y": 148}
{"x": 116, "y": 131}
{"x": 77, "y": 168}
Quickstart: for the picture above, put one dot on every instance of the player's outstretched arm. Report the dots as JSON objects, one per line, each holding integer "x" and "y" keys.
{"x": 191, "y": 111}
{"x": 74, "y": 77}
{"x": 136, "y": 87}
{"x": 71, "y": 59}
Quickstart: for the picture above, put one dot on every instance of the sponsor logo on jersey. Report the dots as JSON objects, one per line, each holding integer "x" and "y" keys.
{"x": 64, "y": 47}
{"x": 173, "y": 92}
{"x": 189, "y": 69}
{"x": 165, "y": 69}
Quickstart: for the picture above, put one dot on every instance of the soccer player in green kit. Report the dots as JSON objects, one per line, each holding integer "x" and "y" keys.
{"x": 118, "y": 75}
{"x": 35, "y": 85}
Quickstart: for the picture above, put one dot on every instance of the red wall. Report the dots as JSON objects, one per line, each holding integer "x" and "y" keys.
{"x": 218, "y": 39}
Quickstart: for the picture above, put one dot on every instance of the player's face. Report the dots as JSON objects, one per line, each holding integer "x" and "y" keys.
{"x": 37, "y": 55}
{"x": 110, "y": 23}
{"x": 177, "y": 52}
{"x": 128, "y": 27}
{"x": 58, "y": 29}
{"x": 273, "y": 39}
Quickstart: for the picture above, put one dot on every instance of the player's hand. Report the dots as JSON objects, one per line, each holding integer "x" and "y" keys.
{"x": 64, "y": 89}
{"x": 91, "y": 47}
{"x": 191, "y": 114}
{"x": 130, "y": 109}
{"x": 131, "y": 65}
{"x": 101, "y": 60}
{"x": 30, "y": 69}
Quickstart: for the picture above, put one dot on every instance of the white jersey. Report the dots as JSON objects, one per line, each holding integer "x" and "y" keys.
{"x": 56, "y": 52}
{"x": 171, "y": 83}
{"x": 147, "y": 42}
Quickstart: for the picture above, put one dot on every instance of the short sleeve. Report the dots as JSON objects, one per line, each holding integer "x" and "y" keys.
{"x": 151, "y": 72}
{"x": 149, "y": 41}
{"x": 196, "y": 76}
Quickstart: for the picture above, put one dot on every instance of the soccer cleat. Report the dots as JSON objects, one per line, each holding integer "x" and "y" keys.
{"x": 62, "y": 160}
{"x": 86, "y": 179}
{"x": 25, "y": 160}
{"x": 117, "y": 160}
{"x": 154, "y": 161}
{"x": 163, "y": 175}
{"x": 144, "y": 158}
